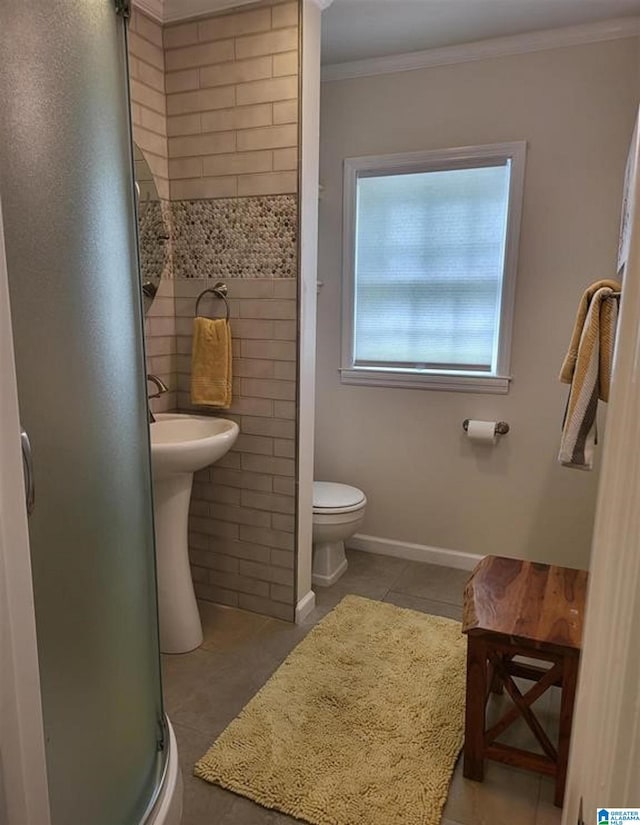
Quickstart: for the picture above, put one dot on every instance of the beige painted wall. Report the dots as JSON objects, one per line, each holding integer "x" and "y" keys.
{"x": 425, "y": 484}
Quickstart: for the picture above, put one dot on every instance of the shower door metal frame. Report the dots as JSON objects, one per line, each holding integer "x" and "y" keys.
{"x": 24, "y": 793}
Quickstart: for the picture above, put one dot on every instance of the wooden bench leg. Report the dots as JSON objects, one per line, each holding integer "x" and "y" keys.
{"x": 496, "y": 684}
{"x": 475, "y": 709}
{"x": 569, "y": 683}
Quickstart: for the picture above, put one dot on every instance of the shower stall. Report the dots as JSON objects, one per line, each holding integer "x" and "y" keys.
{"x": 68, "y": 215}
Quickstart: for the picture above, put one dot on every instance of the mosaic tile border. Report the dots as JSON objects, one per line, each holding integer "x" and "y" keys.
{"x": 253, "y": 237}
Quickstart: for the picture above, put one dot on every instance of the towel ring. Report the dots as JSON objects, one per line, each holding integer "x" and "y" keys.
{"x": 220, "y": 291}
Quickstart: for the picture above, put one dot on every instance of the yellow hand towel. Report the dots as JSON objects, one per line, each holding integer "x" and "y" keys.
{"x": 211, "y": 362}
{"x": 569, "y": 363}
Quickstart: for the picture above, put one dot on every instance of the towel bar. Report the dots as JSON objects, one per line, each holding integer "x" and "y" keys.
{"x": 220, "y": 291}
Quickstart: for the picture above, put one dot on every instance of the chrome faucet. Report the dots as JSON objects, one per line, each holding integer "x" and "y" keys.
{"x": 161, "y": 388}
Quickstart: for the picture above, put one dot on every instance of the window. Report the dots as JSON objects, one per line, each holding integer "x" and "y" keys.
{"x": 430, "y": 255}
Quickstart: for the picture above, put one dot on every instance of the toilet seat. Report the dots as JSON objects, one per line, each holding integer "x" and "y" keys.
{"x": 330, "y": 497}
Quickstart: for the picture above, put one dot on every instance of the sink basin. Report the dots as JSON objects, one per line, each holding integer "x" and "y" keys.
{"x": 186, "y": 443}
{"x": 180, "y": 445}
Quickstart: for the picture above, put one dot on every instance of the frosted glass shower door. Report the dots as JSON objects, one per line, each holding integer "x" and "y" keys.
{"x": 67, "y": 193}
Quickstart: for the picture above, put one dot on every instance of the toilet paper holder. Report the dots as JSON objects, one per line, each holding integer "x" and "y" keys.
{"x": 501, "y": 428}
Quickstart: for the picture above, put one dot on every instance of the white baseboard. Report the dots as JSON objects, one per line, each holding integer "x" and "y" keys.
{"x": 414, "y": 552}
{"x": 305, "y": 606}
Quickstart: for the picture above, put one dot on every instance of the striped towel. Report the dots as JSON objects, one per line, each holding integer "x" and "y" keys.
{"x": 587, "y": 367}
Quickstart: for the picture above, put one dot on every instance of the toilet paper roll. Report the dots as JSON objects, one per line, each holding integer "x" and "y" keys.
{"x": 482, "y": 432}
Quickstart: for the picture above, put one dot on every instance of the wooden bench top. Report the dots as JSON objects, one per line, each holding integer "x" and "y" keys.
{"x": 539, "y": 604}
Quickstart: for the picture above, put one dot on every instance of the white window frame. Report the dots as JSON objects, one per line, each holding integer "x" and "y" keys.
{"x": 496, "y": 381}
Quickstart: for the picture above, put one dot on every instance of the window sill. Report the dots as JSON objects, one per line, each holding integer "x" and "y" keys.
{"x": 449, "y": 382}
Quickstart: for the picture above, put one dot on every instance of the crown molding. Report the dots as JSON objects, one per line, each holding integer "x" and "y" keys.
{"x": 173, "y": 11}
{"x": 484, "y": 49}
{"x": 152, "y": 8}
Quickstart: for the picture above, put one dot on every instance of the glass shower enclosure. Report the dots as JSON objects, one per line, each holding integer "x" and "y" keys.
{"x": 69, "y": 219}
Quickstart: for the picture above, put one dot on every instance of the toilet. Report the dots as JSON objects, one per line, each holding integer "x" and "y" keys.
{"x": 338, "y": 513}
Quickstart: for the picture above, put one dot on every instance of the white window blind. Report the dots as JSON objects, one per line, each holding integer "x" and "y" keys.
{"x": 430, "y": 254}
{"x": 428, "y": 269}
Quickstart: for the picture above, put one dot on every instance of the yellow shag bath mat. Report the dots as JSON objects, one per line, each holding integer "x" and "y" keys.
{"x": 360, "y": 725}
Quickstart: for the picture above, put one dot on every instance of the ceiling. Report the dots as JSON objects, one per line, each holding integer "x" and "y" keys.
{"x": 359, "y": 29}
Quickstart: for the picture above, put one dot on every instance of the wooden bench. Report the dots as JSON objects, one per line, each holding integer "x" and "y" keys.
{"x": 520, "y": 608}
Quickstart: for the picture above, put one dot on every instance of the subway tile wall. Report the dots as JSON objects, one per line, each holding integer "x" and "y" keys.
{"x": 242, "y": 520}
{"x": 160, "y": 345}
{"x": 220, "y": 134}
{"x": 232, "y": 103}
{"x": 149, "y": 126}
{"x": 148, "y": 99}
{"x": 155, "y": 224}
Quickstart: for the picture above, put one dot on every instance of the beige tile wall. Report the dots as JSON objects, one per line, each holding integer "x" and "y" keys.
{"x": 232, "y": 103}
{"x": 160, "y": 344}
{"x": 227, "y": 127}
{"x": 148, "y": 99}
{"x": 242, "y": 522}
{"x": 149, "y": 122}
{"x": 144, "y": 177}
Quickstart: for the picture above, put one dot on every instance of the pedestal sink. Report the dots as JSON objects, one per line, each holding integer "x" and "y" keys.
{"x": 180, "y": 445}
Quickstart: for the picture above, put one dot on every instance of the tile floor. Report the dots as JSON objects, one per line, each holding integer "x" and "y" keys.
{"x": 206, "y": 689}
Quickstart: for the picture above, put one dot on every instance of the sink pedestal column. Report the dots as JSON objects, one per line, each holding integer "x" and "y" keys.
{"x": 180, "y": 626}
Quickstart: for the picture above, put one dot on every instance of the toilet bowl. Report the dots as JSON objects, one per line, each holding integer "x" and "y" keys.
{"x": 338, "y": 513}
